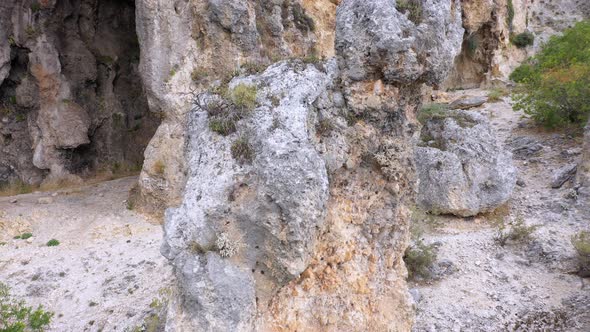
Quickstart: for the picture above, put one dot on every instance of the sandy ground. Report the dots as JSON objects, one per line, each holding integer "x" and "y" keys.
{"x": 517, "y": 287}
{"x": 107, "y": 269}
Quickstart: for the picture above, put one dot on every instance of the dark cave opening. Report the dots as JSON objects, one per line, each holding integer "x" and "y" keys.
{"x": 98, "y": 55}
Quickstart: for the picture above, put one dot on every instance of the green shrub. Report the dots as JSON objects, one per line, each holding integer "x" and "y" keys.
{"x": 16, "y": 316}
{"x": 554, "y": 85}
{"x": 53, "y": 243}
{"x": 413, "y": 8}
{"x": 242, "y": 151}
{"x": 518, "y": 232}
{"x": 26, "y": 236}
{"x": 581, "y": 243}
{"x": 523, "y": 40}
{"x": 419, "y": 258}
{"x": 244, "y": 96}
{"x": 430, "y": 111}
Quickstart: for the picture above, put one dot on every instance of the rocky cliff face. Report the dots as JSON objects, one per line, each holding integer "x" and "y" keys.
{"x": 487, "y": 51}
{"x": 70, "y": 93}
{"x": 295, "y": 215}
{"x": 187, "y": 46}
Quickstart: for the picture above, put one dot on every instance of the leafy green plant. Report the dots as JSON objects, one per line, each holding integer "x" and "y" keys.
{"x": 554, "y": 85}
{"x": 430, "y": 111}
{"x": 413, "y": 8}
{"x": 53, "y": 243}
{"x": 242, "y": 150}
{"x": 25, "y": 236}
{"x": 16, "y": 316}
{"x": 523, "y": 40}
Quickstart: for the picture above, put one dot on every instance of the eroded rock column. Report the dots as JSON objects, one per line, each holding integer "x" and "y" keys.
{"x": 308, "y": 232}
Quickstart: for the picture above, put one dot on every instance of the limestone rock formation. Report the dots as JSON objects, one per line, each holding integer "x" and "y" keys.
{"x": 462, "y": 168}
{"x": 71, "y": 99}
{"x": 206, "y": 41}
{"x": 304, "y": 200}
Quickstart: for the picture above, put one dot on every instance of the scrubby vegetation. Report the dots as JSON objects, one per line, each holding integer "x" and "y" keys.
{"x": 581, "y": 243}
{"x": 17, "y": 187}
{"x": 53, "y": 243}
{"x": 244, "y": 96}
{"x": 517, "y": 232}
{"x": 523, "y": 40}
{"x": 242, "y": 150}
{"x": 419, "y": 257}
{"x": 16, "y": 316}
{"x": 24, "y": 236}
{"x": 430, "y": 111}
{"x": 413, "y": 8}
{"x": 495, "y": 95}
{"x": 554, "y": 85}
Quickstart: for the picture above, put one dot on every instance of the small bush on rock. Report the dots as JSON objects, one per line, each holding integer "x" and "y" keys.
{"x": 244, "y": 96}
{"x": 554, "y": 85}
{"x": 523, "y": 40}
{"x": 242, "y": 151}
{"x": 430, "y": 111}
{"x": 53, "y": 243}
{"x": 413, "y": 8}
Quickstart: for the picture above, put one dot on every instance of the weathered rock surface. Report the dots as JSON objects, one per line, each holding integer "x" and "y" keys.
{"x": 207, "y": 40}
{"x": 468, "y": 102}
{"x": 380, "y": 42}
{"x": 70, "y": 94}
{"x": 562, "y": 175}
{"x": 487, "y": 52}
{"x": 462, "y": 169}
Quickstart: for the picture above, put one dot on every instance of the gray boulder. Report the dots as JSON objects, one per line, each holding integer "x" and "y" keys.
{"x": 268, "y": 212}
{"x": 468, "y": 102}
{"x": 376, "y": 40}
{"x": 563, "y": 175}
{"x": 462, "y": 168}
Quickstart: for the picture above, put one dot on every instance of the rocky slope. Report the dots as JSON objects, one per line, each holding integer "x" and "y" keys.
{"x": 524, "y": 285}
{"x": 107, "y": 273}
